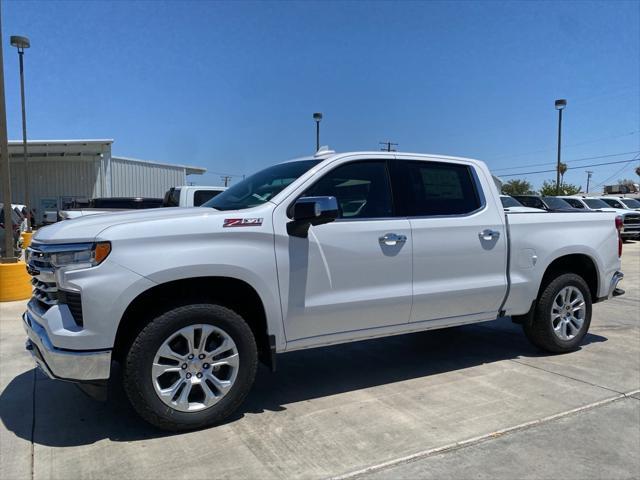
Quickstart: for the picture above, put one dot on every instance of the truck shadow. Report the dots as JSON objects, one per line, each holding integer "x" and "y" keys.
{"x": 64, "y": 416}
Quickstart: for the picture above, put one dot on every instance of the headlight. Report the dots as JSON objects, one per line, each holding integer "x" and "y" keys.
{"x": 81, "y": 255}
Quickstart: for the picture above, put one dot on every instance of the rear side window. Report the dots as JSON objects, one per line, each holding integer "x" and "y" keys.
{"x": 574, "y": 202}
{"x": 201, "y": 196}
{"x": 614, "y": 203}
{"x": 172, "y": 198}
{"x": 434, "y": 188}
{"x": 533, "y": 202}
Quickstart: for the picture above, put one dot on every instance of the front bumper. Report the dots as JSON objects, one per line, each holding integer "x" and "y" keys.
{"x": 62, "y": 364}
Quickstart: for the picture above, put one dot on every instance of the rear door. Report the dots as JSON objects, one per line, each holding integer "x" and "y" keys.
{"x": 459, "y": 239}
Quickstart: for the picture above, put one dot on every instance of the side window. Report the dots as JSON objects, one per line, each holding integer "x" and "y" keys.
{"x": 361, "y": 188}
{"x": 573, "y": 202}
{"x": 440, "y": 189}
{"x": 172, "y": 197}
{"x": 201, "y": 196}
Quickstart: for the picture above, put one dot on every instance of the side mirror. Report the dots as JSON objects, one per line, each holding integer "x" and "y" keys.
{"x": 309, "y": 211}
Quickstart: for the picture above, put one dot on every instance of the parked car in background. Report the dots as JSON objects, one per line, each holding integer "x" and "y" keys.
{"x": 190, "y": 195}
{"x": 622, "y": 202}
{"x": 110, "y": 205}
{"x": 318, "y": 251}
{"x": 49, "y": 217}
{"x": 630, "y": 219}
{"x": 512, "y": 205}
{"x": 550, "y": 204}
{"x": 14, "y": 228}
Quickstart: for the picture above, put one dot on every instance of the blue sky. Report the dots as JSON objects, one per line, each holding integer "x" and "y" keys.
{"x": 232, "y": 86}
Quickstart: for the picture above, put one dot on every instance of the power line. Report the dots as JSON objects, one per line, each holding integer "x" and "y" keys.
{"x": 618, "y": 172}
{"x": 582, "y": 166}
{"x": 568, "y": 161}
{"x": 611, "y": 137}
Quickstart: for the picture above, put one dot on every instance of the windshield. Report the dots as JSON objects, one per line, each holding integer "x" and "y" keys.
{"x": 260, "y": 187}
{"x": 595, "y": 203}
{"x": 554, "y": 202}
{"x": 510, "y": 202}
{"x": 631, "y": 203}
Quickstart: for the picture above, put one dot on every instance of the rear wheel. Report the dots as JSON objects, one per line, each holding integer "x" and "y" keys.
{"x": 562, "y": 315}
{"x": 191, "y": 367}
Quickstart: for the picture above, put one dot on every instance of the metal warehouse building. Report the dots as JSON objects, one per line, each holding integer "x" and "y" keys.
{"x": 62, "y": 171}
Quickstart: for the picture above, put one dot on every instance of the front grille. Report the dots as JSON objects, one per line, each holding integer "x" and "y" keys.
{"x": 74, "y": 302}
{"x": 46, "y": 293}
{"x": 631, "y": 219}
{"x": 45, "y": 289}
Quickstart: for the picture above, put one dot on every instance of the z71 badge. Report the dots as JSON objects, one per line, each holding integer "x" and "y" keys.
{"x": 242, "y": 222}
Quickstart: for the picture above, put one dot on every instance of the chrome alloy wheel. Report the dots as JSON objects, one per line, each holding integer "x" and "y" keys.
{"x": 568, "y": 313}
{"x": 195, "y": 367}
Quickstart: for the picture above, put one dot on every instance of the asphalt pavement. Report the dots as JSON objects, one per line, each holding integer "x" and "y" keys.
{"x": 468, "y": 402}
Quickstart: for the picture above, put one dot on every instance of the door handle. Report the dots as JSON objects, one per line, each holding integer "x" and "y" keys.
{"x": 489, "y": 234}
{"x": 391, "y": 239}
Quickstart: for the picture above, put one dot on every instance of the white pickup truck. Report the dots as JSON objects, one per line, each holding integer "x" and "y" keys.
{"x": 190, "y": 195}
{"x": 312, "y": 252}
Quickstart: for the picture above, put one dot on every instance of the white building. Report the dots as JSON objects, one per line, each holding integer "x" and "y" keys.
{"x": 61, "y": 171}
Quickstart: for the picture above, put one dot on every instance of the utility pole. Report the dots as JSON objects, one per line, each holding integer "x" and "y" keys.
{"x": 589, "y": 173}
{"x": 9, "y": 255}
{"x": 388, "y": 146}
{"x": 226, "y": 179}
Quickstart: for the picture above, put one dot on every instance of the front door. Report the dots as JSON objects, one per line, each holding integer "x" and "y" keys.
{"x": 354, "y": 273}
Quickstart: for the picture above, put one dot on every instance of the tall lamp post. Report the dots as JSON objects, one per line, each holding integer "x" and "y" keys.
{"x": 21, "y": 43}
{"x": 317, "y": 117}
{"x": 560, "y": 104}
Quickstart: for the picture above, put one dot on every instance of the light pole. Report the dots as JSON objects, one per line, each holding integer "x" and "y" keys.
{"x": 589, "y": 173}
{"x": 8, "y": 254}
{"x": 21, "y": 43}
{"x": 317, "y": 117}
{"x": 560, "y": 104}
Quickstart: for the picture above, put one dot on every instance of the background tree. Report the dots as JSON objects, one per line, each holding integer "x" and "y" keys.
{"x": 517, "y": 187}
{"x": 549, "y": 188}
{"x": 638, "y": 171}
{"x": 562, "y": 168}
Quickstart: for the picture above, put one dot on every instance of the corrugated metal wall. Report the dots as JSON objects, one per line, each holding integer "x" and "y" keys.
{"x": 52, "y": 178}
{"x": 137, "y": 179}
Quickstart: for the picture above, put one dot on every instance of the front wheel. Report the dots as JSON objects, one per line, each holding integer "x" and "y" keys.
{"x": 562, "y": 315}
{"x": 191, "y": 367}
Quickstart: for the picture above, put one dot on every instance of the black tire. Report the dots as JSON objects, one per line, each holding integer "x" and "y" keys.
{"x": 539, "y": 329}
{"x": 137, "y": 377}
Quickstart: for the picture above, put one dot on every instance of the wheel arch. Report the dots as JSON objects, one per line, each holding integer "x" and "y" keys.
{"x": 578, "y": 263}
{"x": 233, "y": 293}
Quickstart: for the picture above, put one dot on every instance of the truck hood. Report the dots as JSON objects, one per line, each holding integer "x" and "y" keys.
{"x": 88, "y": 228}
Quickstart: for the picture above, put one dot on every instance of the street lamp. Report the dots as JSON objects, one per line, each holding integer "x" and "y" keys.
{"x": 21, "y": 43}
{"x": 317, "y": 117}
{"x": 560, "y": 104}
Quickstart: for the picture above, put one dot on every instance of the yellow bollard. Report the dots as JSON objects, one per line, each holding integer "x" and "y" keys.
{"x": 26, "y": 239}
{"x": 15, "y": 282}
